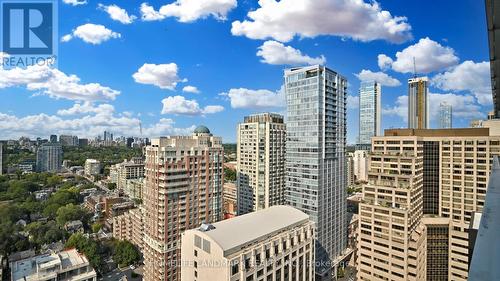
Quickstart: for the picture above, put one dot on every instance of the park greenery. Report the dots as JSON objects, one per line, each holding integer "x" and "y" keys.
{"x": 26, "y": 222}
{"x": 108, "y": 155}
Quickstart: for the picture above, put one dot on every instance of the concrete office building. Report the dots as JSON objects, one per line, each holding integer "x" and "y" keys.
{"x": 65, "y": 265}
{"x": 260, "y": 168}
{"x": 392, "y": 240}
{"x": 418, "y": 105}
{"x": 183, "y": 189}
{"x": 445, "y": 116}
{"x": 370, "y": 111}
{"x": 49, "y": 157}
{"x": 316, "y": 157}
{"x": 459, "y": 160}
{"x": 276, "y": 243}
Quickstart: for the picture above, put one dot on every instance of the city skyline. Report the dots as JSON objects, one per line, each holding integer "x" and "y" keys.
{"x": 130, "y": 47}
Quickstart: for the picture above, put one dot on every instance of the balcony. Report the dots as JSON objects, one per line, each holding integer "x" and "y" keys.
{"x": 486, "y": 255}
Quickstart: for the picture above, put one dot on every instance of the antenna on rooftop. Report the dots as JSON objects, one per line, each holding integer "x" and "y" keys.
{"x": 414, "y": 68}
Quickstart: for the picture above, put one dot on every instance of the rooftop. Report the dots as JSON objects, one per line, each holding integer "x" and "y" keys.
{"x": 42, "y": 266}
{"x": 242, "y": 230}
{"x": 201, "y": 130}
{"x": 462, "y": 132}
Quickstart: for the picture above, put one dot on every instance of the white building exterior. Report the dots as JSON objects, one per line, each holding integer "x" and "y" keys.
{"x": 276, "y": 243}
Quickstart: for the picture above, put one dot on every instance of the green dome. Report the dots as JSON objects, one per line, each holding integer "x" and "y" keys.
{"x": 201, "y": 130}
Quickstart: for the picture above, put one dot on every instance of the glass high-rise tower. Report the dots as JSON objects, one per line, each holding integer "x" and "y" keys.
{"x": 315, "y": 156}
{"x": 445, "y": 116}
{"x": 369, "y": 111}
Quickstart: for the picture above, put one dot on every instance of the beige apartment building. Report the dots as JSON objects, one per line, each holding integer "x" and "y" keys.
{"x": 455, "y": 169}
{"x": 130, "y": 226}
{"x": 275, "y": 244}
{"x": 121, "y": 173}
{"x": 183, "y": 189}
{"x": 260, "y": 168}
{"x": 392, "y": 240}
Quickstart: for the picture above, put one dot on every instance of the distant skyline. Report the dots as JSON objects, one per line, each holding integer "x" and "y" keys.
{"x": 169, "y": 66}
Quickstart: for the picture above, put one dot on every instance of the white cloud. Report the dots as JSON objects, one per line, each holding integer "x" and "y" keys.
{"x": 161, "y": 75}
{"x": 356, "y": 19}
{"x": 181, "y": 106}
{"x": 66, "y": 38}
{"x": 384, "y": 62}
{"x": 75, "y": 2}
{"x": 55, "y": 83}
{"x": 189, "y": 10}
{"x": 381, "y": 77}
{"x": 429, "y": 56}
{"x": 118, "y": 14}
{"x": 352, "y": 102}
{"x": 91, "y": 33}
{"x": 464, "y": 106}
{"x": 273, "y": 52}
{"x": 191, "y": 89}
{"x": 255, "y": 99}
{"x": 87, "y": 107}
{"x": 467, "y": 76}
{"x": 149, "y": 13}
{"x": 89, "y": 125}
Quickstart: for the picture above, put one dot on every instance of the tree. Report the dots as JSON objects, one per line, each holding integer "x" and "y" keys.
{"x": 54, "y": 180}
{"x": 93, "y": 250}
{"x": 44, "y": 233}
{"x": 111, "y": 185}
{"x": 70, "y": 212}
{"x": 126, "y": 253}
{"x": 229, "y": 175}
{"x": 96, "y": 227}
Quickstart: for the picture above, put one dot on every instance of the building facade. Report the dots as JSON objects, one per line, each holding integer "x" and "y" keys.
{"x": 130, "y": 226}
{"x": 68, "y": 140}
{"x": 92, "y": 167}
{"x": 460, "y": 162}
{"x": 183, "y": 189}
{"x": 49, "y": 157}
{"x": 260, "y": 168}
{"x": 65, "y": 265}
{"x": 127, "y": 170}
{"x": 418, "y": 105}
{"x": 392, "y": 240}
{"x": 316, "y": 156}
{"x": 370, "y": 111}
{"x": 360, "y": 165}
{"x": 280, "y": 248}
{"x": 445, "y": 116}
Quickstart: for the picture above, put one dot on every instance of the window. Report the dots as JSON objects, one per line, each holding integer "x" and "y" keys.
{"x": 195, "y": 253}
{"x": 234, "y": 268}
{"x": 206, "y": 246}
{"x": 197, "y": 241}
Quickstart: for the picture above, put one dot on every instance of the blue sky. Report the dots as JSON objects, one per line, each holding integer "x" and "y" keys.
{"x": 135, "y": 68}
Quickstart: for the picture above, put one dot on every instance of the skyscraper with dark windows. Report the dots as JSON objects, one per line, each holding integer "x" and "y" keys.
{"x": 316, "y": 157}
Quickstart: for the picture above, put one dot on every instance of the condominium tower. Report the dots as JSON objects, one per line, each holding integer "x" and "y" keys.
{"x": 49, "y": 157}
{"x": 445, "y": 116}
{"x": 260, "y": 165}
{"x": 369, "y": 111}
{"x": 183, "y": 189}
{"x": 316, "y": 156}
{"x": 276, "y": 243}
{"x": 418, "y": 105}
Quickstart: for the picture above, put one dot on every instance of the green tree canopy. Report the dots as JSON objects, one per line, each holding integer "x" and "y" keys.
{"x": 125, "y": 253}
